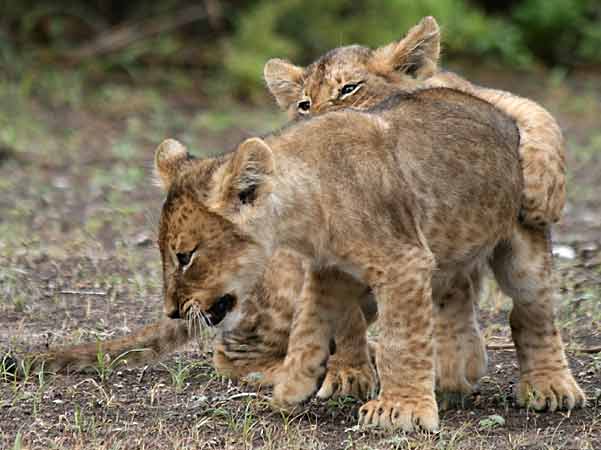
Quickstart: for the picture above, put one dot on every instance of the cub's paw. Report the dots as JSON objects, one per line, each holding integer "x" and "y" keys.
{"x": 288, "y": 395}
{"x": 295, "y": 386}
{"x": 460, "y": 363}
{"x": 550, "y": 391}
{"x": 402, "y": 413}
{"x": 341, "y": 381}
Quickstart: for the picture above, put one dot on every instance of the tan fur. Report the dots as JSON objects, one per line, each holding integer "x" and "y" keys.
{"x": 405, "y": 198}
{"x": 461, "y": 358}
{"x": 409, "y": 64}
{"x": 256, "y": 343}
{"x": 412, "y": 63}
{"x": 141, "y": 347}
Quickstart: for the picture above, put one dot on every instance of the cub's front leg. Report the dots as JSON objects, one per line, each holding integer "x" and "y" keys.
{"x": 313, "y": 328}
{"x": 400, "y": 277}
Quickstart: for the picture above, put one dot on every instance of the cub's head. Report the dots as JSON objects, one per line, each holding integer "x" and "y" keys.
{"x": 356, "y": 76}
{"x": 210, "y": 261}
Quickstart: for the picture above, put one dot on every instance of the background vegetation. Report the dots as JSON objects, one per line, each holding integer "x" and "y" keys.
{"x": 227, "y": 42}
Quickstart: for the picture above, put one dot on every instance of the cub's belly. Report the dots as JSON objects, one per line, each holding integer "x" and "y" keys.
{"x": 458, "y": 243}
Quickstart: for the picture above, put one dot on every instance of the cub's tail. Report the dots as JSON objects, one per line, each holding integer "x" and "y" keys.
{"x": 141, "y": 347}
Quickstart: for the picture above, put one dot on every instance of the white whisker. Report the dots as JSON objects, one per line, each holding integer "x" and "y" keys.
{"x": 199, "y": 327}
{"x": 205, "y": 319}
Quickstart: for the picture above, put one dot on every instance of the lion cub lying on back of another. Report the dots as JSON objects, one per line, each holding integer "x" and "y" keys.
{"x": 404, "y": 198}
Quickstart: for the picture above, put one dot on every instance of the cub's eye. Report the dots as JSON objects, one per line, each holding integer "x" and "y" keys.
{"x": 184, "y": 258}
{"x": 304, "y": 106}
{"x": 349, "y": 89}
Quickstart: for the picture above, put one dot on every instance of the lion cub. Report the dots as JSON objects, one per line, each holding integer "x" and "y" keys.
{"x": 359, "y": 77}
{"x": 403, "y": 198}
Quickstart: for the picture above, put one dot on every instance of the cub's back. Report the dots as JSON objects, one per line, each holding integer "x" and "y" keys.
{"x": 460, "y": 157}
{"x": 438, "y": 158}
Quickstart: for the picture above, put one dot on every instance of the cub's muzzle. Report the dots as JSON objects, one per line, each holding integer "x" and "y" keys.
{"x": 220, "y": 308}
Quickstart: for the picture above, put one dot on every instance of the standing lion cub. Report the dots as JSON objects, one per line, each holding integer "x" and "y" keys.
{"x": 359, "y": 77}
{"x": 404, "y": 198}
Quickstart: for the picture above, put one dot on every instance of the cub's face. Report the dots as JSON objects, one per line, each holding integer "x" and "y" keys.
{"x": 210, "y": 261}
{"x": 214, "y": 272}
{"x": 355, "y": 76}
{"x": 202, "y": 256}
{"x": 213, "y": 278}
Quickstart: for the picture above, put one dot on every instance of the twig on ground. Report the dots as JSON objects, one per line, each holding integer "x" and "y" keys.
{"x": 589, "y": 350}
{"x": 142, "y": 373}
{"x": 242, "y": 395}
{"x": 74, "y": 292}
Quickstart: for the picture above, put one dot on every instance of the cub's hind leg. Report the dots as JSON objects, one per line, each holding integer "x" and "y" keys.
{"x": 523, "y": 269}
{"x": 350, "y": 372}
{"x": 460, "y": 349}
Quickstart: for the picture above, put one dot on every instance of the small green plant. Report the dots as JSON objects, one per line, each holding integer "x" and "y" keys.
{"x": 39, "y": 395}
{"x": 18, "y": 445}
{"x": 105, "y": 366}
{"x": 24, "y": 369}
{"x": 491, "y": 422}
{"x": 8, "y": 368}
{"x": 19, "y": 303}
{"x": 341, "y": 402}
{"x": 180, "y": 374}
{"x": 248, "y": 422}
{"x": 499, "y": 395}
{"x": 81, "y": 423}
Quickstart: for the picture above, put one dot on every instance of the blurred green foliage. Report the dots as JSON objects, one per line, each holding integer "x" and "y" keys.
{"x": 229, "y": 45}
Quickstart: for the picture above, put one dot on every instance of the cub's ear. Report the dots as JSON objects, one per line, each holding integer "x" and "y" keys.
{"x": 284, "y": 80}
{"x": 251, "y": 166}
{"x": 245, "y": 178}
{"x": 169, "y": 157}
{"x": 416, "y": 54}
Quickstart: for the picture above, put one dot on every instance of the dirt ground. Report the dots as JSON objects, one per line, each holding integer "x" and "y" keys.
{"x": 78, "y": 262}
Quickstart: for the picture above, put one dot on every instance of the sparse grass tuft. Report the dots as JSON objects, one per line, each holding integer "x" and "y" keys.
{"x": 106, "y": 365}
{"x": 491, "y": 422}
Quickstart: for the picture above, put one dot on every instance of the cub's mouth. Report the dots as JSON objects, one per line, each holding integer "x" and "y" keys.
{"x": 216, "y": 313}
